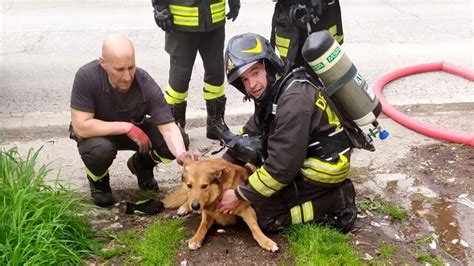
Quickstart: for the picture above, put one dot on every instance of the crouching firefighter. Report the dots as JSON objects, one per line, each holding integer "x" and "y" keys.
{"x": 295, "y": 139}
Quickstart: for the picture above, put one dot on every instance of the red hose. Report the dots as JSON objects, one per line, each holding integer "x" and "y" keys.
{"x": 413, "y": 124}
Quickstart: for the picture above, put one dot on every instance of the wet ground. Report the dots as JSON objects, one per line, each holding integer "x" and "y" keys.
{"x": 434, "y": 189}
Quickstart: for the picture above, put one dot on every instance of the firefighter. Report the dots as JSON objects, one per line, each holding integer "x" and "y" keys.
{"x": 118, "y": 106}
{"x": 193, "y": 26}
{"x": 294, "y": 138}
{"x": 291, "y": 20}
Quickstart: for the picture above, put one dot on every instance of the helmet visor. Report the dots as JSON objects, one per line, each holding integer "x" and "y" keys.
{"x": 236, "y": 74}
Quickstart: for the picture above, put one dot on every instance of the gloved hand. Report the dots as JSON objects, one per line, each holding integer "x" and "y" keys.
{"x": 234, "y": 7}
{"x": 249, "y": 149}
{"x": 185, "y": 155}
{"x": 163, "y": 17}
{"x": 140, "y": 138}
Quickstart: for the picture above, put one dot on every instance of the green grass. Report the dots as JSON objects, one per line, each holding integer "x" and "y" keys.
{"x": 39, "y": 225}
{"x": 394, "y": 211}
{"x": 318, "y": 245}
{"x": 433, "y": 260}
{"x": 387, "y": 250}
{"x": 156, "y": 246}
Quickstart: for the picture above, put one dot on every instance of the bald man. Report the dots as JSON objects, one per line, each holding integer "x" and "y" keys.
{"x": 117, "y": 106}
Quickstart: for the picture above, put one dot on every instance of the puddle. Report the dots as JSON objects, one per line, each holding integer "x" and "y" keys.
{"x": 442, "y": 216}
{"x": 446, "y": 217}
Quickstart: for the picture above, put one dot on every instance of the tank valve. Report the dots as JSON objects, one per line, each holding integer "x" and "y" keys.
{"x": 383, "y": 134}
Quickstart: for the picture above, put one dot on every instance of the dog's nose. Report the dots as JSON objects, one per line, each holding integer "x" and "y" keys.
{"x": 195, "y": 205}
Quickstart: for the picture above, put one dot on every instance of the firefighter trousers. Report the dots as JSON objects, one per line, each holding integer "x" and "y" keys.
{"x": 183, "y": 46}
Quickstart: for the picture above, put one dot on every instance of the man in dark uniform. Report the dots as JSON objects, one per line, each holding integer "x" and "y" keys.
{"x": 292, "y": 18}
{"x": 193, "y": 26}
{"x": 118, "y": 106}
{"x": 301, "y": 174}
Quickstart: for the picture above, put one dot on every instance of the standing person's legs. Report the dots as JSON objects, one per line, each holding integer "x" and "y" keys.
{"x": 211, "y": 49}
{"x": 182, "y": 48}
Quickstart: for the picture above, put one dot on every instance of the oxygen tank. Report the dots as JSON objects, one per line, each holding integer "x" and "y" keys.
{"x": 343, "y": 82}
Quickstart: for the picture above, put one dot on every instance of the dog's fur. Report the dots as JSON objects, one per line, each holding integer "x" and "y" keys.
{"x": 203, "y": 184}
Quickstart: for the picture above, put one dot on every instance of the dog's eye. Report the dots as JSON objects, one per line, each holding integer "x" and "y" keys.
{"x": 204, "y": 186}
{"x": 190, "y": 185}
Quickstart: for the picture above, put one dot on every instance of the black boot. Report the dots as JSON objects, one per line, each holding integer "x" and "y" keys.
{"x": 179, "y": 113}
{"x": 216, "y": 126}
{"x": 344, "y": 218}
{"x": 101, "y": 192}
{"x": 142, "y": 167}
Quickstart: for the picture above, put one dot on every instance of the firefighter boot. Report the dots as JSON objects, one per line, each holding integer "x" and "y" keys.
{"x": 101, "y": 192}
{"x": 216, "y": 126}
{"x": 344, "y": 218}
{"x": 142, "y": 166}
{"x": 179, "y": 113}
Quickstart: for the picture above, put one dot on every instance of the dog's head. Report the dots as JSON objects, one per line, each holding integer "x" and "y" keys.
{"x": 203, "y": 180}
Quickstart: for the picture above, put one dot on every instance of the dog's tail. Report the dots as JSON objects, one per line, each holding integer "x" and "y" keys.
{"x": 176, "y": 198}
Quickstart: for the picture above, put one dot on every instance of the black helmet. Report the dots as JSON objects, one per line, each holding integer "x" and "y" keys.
{"x": 245, "y": 50}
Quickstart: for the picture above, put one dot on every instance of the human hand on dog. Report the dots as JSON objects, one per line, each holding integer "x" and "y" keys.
{"x": 228, "y": 202}
{"x": 185, "y": 155}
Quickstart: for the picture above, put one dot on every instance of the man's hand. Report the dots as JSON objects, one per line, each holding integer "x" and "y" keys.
{"x": 163, "y": 17}
{"x": 228, "y": 202}
{"x": 140, "y": 138}
{"x": 234, "y": 7}
{"x": 185, "y": 155}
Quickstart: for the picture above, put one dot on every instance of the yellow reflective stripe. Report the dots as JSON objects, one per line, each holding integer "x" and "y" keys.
{"x": 158, "y": 159}
{"x": 326, "y": 172}
{"x": 308, "y": 214}
{"x": 296, "y": 215}
{"x": 258, "y": 186}
{"x": 338, "y": 38}
{"x": 217, "y": 7}
{"x": 218, "y": 17}
{"x": 283, "y": 42}
{"x": 186, "y": 11}
{"x": 333, "y": 30}
{"x": 333, "y": 119}
{"x": 269, "y": 181}
{"x": 321, "y": 103}
{"x": 173, "y": 97}
{"x": 283, "y": 52}
{"x": 186, "y": 21}
{"x": 95, "y": 177}
{"x": 213, "y": 92}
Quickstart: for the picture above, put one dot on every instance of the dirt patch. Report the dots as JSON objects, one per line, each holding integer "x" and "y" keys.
{"x": 428, "y": 184}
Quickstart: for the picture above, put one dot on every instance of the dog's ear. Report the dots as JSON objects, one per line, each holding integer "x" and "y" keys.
{"x": 216, "y": 175}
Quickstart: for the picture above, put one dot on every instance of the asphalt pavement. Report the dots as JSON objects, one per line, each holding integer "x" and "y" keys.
{"x": 44, "y": 43}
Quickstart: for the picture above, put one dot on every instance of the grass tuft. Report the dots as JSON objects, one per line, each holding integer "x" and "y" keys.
{"x": 157, "y": 245}
{"x": 39, "y": 225}
{"x": 318, "y": 245}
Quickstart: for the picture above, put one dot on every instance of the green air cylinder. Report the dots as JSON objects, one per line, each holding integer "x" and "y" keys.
{"x": 341, "y": 78}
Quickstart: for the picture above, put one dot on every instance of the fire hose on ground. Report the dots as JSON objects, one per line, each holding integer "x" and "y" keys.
{"x": 413, "y": 124}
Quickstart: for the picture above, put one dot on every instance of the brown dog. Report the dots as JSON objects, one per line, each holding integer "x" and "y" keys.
{"x": 203, "y": 183}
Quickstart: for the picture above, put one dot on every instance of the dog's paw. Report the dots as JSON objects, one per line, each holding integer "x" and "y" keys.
{"x": 194, "y": 244}
{"x": 183, "y": 210}
{"x": 269, "y": 245}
